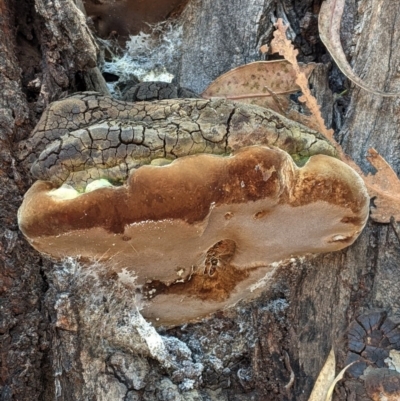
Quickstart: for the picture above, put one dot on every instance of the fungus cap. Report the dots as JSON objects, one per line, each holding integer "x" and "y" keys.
{"x": 204, "y": 231}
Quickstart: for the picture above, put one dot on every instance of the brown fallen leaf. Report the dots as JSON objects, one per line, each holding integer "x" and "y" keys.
{"x": 324, "y": 379}
{"x": 384, "y": 185}
{"x": 330, "y": 16}
{"x": 265, "y": 83}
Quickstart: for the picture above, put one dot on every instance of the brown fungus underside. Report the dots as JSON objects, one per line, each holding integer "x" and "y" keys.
{"x": 205, "y": 231}
{"x": 209, "y": 201}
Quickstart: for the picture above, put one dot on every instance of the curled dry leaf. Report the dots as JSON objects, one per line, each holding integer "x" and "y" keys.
{"x": 326, "y": 381}
{"x": 384, "y": 185}
{"x": 330, "y": 16}
{"x": 337, "y": 379}
{"x": 264, "y": 83}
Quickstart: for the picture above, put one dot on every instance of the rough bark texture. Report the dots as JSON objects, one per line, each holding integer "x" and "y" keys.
{"x": 21, "y": 285}
{"x": 38, "y": 61}
{"x": 68, "y": 336}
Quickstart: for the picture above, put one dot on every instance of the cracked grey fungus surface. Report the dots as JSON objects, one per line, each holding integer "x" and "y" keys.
{"x": 88, "y": 137}
{"x": 205, "y": 198}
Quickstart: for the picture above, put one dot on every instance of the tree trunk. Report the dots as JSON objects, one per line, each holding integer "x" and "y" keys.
{"x": 67, "y": 336}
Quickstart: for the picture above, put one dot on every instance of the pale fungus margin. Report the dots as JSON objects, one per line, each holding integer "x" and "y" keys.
{"x": 201, "y": 232}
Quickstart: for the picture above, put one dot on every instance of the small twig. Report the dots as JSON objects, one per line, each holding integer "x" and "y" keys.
{"x": 249, "y": 95}
{"x": 276, "y": 99}
{"x": 289, "y": 368}
{"x": 134, "y": 248}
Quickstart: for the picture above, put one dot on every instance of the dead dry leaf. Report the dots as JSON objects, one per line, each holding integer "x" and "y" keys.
{"x": 325, "y": 379}
{"x": 385, "y": 187}
{"x": 329, "y": 19}
{"x": 265, "y": 83}
{"x": 337, "y": 379}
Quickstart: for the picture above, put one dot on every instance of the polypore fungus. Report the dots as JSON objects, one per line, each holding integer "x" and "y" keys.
{"x": 200, "y": 232}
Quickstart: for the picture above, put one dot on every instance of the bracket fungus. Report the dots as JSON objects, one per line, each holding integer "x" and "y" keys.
{"x": 200, "y": 231}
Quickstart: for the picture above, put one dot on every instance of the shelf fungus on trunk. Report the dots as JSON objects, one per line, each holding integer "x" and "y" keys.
{"x": 201, "y": 231}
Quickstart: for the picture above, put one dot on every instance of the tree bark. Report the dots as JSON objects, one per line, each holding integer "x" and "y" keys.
{"x": 67, "y": 336}
{"x": 22, "y": 328}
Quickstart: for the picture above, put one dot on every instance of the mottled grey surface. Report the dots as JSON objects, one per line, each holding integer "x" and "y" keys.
{"x": 88, "y": 136}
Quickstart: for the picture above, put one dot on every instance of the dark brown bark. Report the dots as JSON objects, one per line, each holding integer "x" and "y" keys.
{"x": 21, "y": 328}
{"x": 121, "y": 18}
{"x": 52, "y": 350}
{"x": 36, "y": 66}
